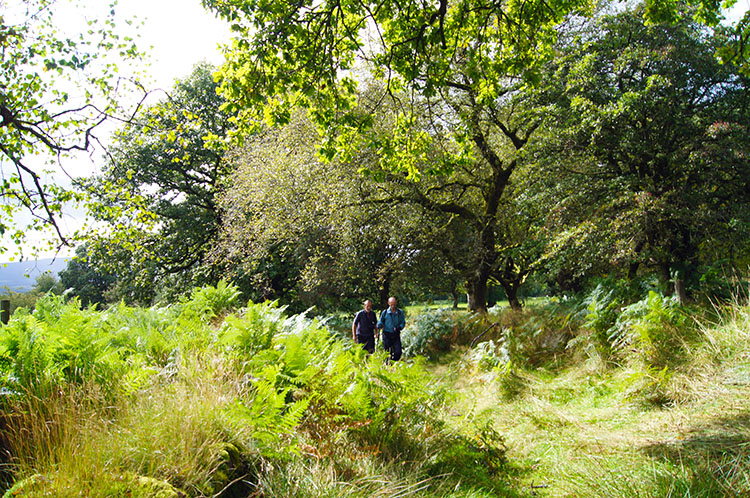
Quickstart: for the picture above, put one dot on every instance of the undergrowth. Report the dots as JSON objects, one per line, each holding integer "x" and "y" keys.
{"x": 595, "y": 397}
{"x": 650, "y": 400}
{"x": 196, "y": 400}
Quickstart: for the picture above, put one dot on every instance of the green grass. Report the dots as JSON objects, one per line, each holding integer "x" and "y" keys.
{"x": 591, "y": 430}
{"x": 417, "y": 307}
{"x": 189, "y": 401}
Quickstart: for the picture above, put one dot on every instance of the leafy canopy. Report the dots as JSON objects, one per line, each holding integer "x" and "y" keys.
{"x": 157, "y": 194}
{"x": 314, "y": 53}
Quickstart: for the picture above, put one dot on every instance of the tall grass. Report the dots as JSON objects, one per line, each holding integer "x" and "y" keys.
{"x": 661, "y": 411}
{"x": 195, "y": 399}
{"x": 202, "y": 399}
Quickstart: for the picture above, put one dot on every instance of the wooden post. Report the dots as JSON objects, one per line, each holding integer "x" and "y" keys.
{"x": 5, "y": 311}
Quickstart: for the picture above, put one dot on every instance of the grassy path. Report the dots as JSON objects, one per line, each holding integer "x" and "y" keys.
{"x": 579, "y": 432}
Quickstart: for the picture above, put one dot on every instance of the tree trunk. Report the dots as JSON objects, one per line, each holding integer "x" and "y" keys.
{"x": 384, "y": 292}
{"x": 455, "y": 295}
{"x": 679, "y": 274}
{"x": 476, "y": 293}
{"x": 511, "y": 291}
{"x": 633, "y": 270}
{"x": 679, "y": 289}
{"x": 666, "y": 277}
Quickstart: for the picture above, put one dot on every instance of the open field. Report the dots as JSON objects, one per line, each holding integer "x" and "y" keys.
{"x": 591, "y": 429}
{"x": 417, "y": 307}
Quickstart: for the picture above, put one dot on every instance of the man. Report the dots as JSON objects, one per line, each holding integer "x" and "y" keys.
{"x": 363, "y": 328}
{"x": 392, "y": 321}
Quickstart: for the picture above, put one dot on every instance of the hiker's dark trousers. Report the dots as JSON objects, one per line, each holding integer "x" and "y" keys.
{"x": 392, "y": 344}
{"x": 367, "y": 341}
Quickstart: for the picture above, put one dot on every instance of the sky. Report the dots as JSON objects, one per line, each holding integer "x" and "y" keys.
{"x": 181, "y": 32}
{"x": 738, "y": 10}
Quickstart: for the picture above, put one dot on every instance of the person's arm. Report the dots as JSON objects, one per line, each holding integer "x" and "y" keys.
{"x": 401, "y": 320}
{"x": 354, "y": 327}
{"x": 380, "y": 322}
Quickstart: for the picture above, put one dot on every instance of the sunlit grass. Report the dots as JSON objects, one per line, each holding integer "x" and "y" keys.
{"x": 417, "y": 307}
{"x": 589, "y": 429}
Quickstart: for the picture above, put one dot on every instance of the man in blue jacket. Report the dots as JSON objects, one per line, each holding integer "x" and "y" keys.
{"x": 392, "y": 321}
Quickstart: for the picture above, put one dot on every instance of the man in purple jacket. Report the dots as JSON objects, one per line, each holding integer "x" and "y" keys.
{"x": 363, "y": 329}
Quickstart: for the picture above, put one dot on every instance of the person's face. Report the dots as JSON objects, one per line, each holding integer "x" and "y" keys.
{"x": 392, "y": 303}
{"x": 368, "y": 305}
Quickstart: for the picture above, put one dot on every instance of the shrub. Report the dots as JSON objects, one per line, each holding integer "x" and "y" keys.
{"x": 536, "y": 336}
{"x": 59, "y": 344}
{"x": 207, "y": 303}
{"x": 655, "y": 327}
{"x": 604, "y": 304}
{"x": 147, "y": 392}
{"x": 603, "y": 307}
{"x": 435, "y": 331}
{"x": 252, "y": 329}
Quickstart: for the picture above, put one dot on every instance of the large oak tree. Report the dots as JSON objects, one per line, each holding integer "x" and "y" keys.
{"x": 446, "y": 61}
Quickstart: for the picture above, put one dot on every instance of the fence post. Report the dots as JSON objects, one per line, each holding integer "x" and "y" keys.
{"x": 5, "y": 311}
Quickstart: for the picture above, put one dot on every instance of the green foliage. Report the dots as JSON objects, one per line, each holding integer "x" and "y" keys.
{"x": 129, "y": 485}
{"x": 208, "y": 302}
{"x": 491, "y": 361}
{"x": 84, "y": 280}
{"x": 603, "y": 307}
{"x": 432, "y": 332}
{"x": 539, "y": 336}
{"x": 169, "y": 394}
{"x": 656, "y": 327}
{"x": 158, "y": 194}
{"x": 253, "y": 330}
{"x": 470, "y": 58}
{"x": 311, "y": 233}
{"x": 489, "y": 356}
{"x": 56, "y": 345}
{"x": 46, "y": 282}
{"x": 658, "y": 127}
{"x": 57, "y": 90}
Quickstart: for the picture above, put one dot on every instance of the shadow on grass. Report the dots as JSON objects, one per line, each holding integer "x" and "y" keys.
{"x": 713, "y": 460}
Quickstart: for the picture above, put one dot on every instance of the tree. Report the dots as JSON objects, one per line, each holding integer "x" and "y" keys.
{"x": 41, "y": 112}
{"x": 737, "y": 52}
{"x": 449, "y": 62}
{"x": 86, "y": 281}
{"x": 442, "y": 66}
{"x": 47, "y": 282}
{"x": 168, "y": 164}
{"x": 299, "y": 229}
{"x": 654, "y": 143}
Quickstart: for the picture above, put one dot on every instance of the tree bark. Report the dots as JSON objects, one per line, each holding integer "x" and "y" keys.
{"x": 666, "y": 276}
{"x": 679, "y": 289}
{"x": 455, "y": 295}
{"x": 511, "y": 291}
{"x": 384, "y": 291}
{"x": 476, "y": 292}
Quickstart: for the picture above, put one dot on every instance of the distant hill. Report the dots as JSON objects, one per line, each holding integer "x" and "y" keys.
{"x": 21, "y": 276}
